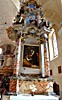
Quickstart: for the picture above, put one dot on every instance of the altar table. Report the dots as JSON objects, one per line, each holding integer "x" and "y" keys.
{"x": 35, "y": 97}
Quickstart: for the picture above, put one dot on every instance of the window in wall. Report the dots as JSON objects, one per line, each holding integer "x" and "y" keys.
{"x": 1, "y": 58}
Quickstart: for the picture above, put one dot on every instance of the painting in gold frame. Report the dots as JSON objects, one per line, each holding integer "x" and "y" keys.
{"x": 31, "y": 55}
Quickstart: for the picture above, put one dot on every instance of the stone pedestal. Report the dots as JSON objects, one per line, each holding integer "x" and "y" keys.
{"x": 13, "y": 85}
{"x": 42, "y": 87}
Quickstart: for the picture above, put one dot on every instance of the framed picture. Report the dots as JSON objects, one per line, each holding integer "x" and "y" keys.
{"x": 51, "y": 72}
{"x": 59, "y": 69}
{"x": 30, "y": 59}
{"x": 31, "y": 55}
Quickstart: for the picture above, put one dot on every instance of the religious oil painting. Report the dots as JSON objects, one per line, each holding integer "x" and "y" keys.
{"x": 31, "y": 54}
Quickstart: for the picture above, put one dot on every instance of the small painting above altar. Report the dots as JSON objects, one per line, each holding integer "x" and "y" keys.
{"x": 31, "y": 55}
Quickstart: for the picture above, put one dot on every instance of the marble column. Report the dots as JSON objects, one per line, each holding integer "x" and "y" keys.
{"x": 18, "y": 57}
{"x": 46, "y": 60}
{"x": 42, "y": 61}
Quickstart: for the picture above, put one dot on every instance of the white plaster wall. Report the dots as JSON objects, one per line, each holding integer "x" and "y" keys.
{"x": 57, "y": 62}
{"x": 16, "y": 3}
{"x": 7, "y": 12}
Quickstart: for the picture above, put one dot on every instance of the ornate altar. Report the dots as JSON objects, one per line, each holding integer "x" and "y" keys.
{"x": 34, "y": 38}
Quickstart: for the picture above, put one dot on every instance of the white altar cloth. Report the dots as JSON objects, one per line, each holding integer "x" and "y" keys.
{"x": 35, "y": 97}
